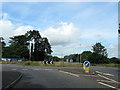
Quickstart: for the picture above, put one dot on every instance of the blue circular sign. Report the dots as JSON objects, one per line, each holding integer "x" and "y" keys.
{"x": 87, "y": 63}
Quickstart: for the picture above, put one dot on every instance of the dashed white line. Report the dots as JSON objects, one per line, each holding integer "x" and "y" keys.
{"x": 36, "y": 69}
{"x": 14, "y": 69}
{"x": 70, "y": 73}
{"x": 48, "y": 69}
{"x": 24, "y": 69}
{"x": 91, "y": 75}
{"x": 108, "y": 85}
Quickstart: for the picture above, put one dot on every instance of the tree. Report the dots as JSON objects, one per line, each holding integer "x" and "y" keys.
{"x": 2, "y": 43}
{"x": 20, "y": 46}
{"x": 86, "y": 56}
{"x": 99, "y": 54}
{"x": 114, "y": 60}
{"x": 41, "y": 45}
{"x": 99, "y": 49}
{"x": 74, "y": 57}
{"x": 17, "y": 48}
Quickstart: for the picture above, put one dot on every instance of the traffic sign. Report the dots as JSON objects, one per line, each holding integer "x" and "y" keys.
{"x": 87, "y": 63}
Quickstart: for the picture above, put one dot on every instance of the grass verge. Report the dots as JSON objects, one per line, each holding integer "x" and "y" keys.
{"x": 57, "y": 64}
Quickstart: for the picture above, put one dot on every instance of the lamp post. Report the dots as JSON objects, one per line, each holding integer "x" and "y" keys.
{"x": 80, "y": 53}
{"x": 31, "y": 42}
{"x": 1, "y": 48}
{"x": 30, "y": 50}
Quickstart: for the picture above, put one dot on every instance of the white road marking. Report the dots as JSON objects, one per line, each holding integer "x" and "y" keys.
{"x": 108, "y": 74}
{"x": 24, "y": 69}
{"x": 48, "y": 69}
{"x": 108, "y": 85}
{"x": 70, "y": 73}
{"x": 104, "y": 73}
{"x": 14, "y": 69}
{"x": 91, "y": 75}
{"x": 108, "y": 78}
{"x": 105, "y": 81}
{"x": 36, "y": 69}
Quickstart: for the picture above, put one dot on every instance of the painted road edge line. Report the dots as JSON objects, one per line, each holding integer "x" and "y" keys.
{"x": 108, "y": 78}
{"x": 104, "y": 73}
{"x": 108, "y": 85}
{"x": 14, "y": 82}
{"x": 69, "y": 73}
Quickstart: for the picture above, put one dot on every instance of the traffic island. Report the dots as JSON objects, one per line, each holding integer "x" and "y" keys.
{"x": 10, "y": 78}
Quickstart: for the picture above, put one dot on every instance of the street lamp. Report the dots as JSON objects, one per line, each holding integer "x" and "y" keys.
{"x": 80, "y": 53}
{"x": 1, "y": 40}
{"x": 31, "y": 42}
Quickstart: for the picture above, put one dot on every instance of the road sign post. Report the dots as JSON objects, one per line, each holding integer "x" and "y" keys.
{"x": 86, "y": 66}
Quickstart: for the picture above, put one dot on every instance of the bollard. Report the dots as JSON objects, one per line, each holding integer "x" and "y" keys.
{"x": 87, "y": 69}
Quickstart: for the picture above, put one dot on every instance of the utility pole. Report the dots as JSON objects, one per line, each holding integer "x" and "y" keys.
{"x": 31, "y": 42}
{"x": 80, "y": 53}
{"x": 1, "y": 48}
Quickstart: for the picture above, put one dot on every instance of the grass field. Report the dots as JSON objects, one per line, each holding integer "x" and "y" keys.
{"x": 58, "y": 64}
{"x": 0, "y": 62}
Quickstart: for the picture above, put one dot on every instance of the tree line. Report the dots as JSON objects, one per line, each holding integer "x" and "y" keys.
{"x": 32, "y": 46}
{"x": 98, "y": 55}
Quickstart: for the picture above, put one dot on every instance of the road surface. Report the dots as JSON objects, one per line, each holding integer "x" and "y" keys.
{"x": 51, "y": 77}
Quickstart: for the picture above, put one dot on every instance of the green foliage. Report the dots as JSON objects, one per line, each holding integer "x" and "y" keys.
{"x": 99, "y": 49}
{"x": 114, "y": 60}
{"x": 99, "y": 54}
{"x": 74, "y": 57}
{"x": 86, "y": 56}
{"x": 19, "y": 46}
{"x": 96, "y": 58}
{"x": 54, "y": 58}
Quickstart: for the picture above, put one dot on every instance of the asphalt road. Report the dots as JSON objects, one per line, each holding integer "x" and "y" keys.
{"x": 50, "y": 77}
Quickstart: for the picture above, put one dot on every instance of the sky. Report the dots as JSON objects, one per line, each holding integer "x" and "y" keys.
{"x": 71, "y": 27}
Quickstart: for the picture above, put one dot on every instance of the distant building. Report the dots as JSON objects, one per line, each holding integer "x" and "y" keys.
{"x": 6, "y": 59}
{"x": 71, "y": 60}
{"x": 13, "y": 59}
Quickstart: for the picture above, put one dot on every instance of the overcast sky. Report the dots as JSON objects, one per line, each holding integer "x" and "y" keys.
{"x": 71, "y": 27}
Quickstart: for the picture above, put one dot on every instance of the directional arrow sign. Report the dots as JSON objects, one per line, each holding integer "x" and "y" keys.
{"x": 87, "y": 63}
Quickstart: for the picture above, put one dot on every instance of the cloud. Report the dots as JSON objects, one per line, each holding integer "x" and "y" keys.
{"x": 62, "y": 33}
{"x": 8, "y": 29}
{"x": 5, "y": 16}
{"x": 65, "y": 38}
{"x": 113, "y": 50}
{"x": 22, "y": 30}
